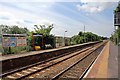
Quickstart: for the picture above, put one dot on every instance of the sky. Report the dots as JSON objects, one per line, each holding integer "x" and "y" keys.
{"x": 70, "y": 16}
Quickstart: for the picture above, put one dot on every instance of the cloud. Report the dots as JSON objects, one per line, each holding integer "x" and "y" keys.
{"x": 29, "y": 14}
{"x": 59, "y": 0}
{"x": 28, "y": 0}
{"x": 85, "y": 1}
{"x": 94, "y": 7}
{"x": 19, "y": 15}
{"x": 4, "y": 18}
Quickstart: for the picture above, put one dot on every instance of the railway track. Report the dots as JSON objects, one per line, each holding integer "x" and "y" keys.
{"x": 70, "y": 71}
{"x": 42, "y": 62}
{"x": 78, "y": 69}
{"x": 34, "y": 70}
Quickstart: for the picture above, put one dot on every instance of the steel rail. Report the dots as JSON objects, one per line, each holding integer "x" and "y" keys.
{"x": 63, "y": 71}
{"x": 41, "y": 62}
{"x": 86, "y": 70}
{"x": 50, "y": 65}
{"x": 47, "y": 66}
{"x": 35, "y": 64}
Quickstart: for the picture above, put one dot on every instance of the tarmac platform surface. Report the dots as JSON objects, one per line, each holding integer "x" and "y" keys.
{"x": 106, "y": 64}
{"x": 11, "y": 56}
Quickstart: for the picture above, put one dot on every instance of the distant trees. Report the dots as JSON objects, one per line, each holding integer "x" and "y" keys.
{"x": 85, "y": 37}
{"x": 13, "y": 29}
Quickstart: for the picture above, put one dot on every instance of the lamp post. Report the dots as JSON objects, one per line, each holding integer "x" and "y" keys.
{"x": 84, "y": 34}
{"x": 64, "y": 37}
{"x": 1, "y": 35}
{"x": 117, "y": 39}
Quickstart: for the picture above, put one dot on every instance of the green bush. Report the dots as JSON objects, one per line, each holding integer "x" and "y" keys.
{"x": 85, "y": 37}
{"x": 14, "y": 50}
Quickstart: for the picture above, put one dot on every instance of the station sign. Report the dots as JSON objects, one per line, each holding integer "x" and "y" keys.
{"x": 9, "y": 41}
{"x": 13, "y": 40}
{"x": 21, "y": 41}
{"x": 24, "y": 42}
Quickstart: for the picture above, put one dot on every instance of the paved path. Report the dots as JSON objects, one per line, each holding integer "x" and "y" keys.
{"x": 106, "y": 65}
{"x": 113, "y": 62}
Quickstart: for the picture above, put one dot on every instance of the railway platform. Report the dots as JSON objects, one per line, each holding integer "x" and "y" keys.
{"x": 17, "y": 61}
{"x": 12, "y": 56}
{"x": 106, "y": 64}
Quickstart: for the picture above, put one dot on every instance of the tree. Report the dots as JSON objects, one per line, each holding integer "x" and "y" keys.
{"x": 80, "y": 33}
{"x": 13, "y": 29}
{"x": 43, "y": 29}
{"x": 85, "y": 37}
{"x": 5, "y": 28}
{"x": 117, "y": 8}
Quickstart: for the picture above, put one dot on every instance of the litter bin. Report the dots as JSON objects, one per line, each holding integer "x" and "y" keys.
{"x": 37, "y": 48}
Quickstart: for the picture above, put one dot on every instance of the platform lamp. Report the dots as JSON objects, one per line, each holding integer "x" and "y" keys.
{"x": 64, "y": 37}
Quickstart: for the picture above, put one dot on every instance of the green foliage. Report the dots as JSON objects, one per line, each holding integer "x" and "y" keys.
{"x": 118, "y": 32}
{"x": 13, "y": 29}
{"x": 14, "y": 50}
{"x": 43, "y": 29}
{"x": 49, "y": 39}
{"x": 16, "y": 30}
{"x": 116, "y": 36}
{"x": 117, "y": 8}
{"x": 29, "y": 41}
{"x": 85, "y": 37}
{"x": 80, "y": 33}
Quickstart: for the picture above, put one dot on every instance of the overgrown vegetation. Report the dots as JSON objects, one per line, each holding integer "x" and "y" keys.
{"x": 48, "y": 38}
{"x": 117, "y": 8}
{"x": 39, "y": 29}
{"x": 14, "y": 30}
{"x": 85, "y": 37}
{"x": 116, "y": 36}
{"x": 45, "y": 30}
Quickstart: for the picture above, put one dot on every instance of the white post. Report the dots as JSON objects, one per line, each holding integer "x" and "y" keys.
{"x": 64, "y": 37}
{"x": 84, "y": 33}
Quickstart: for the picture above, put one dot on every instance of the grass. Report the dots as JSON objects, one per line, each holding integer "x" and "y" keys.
{"x": 15, "y": 50}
